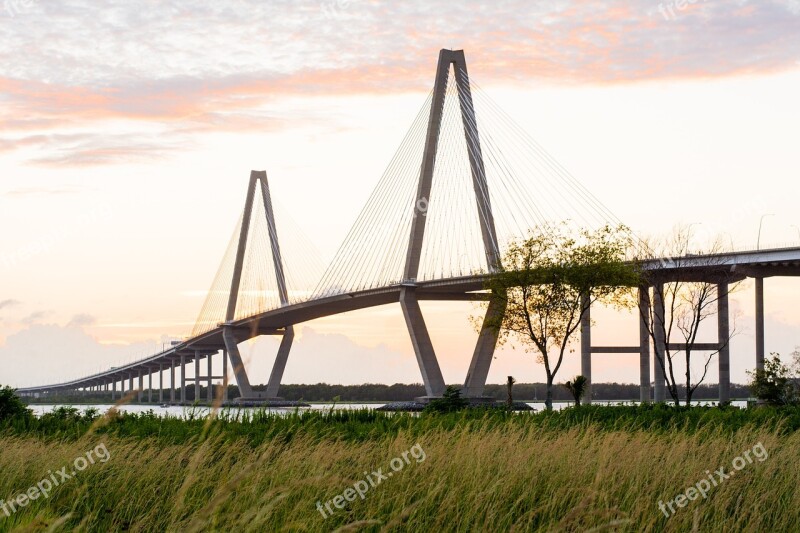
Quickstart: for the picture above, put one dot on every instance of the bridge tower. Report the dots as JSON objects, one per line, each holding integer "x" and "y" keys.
{"x": 258, "y": 180}
{"x": 420, "y": 339}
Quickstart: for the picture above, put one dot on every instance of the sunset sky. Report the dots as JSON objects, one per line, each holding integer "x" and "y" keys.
{"x": 128, "y": 131}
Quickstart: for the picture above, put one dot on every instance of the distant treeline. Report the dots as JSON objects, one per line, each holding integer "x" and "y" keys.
{"x": 376, "y": 392}
{"x": 323, "y": 392}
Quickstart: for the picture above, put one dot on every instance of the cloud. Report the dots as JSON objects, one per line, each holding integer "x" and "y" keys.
{"x": 8, "y": 303}
{"x": 202, "y": 67}
{"x": 81, "y": 320}
{"x": 41, "y": 191}
{"x": 48, "y": 353}
{"x": 35, "y": 317}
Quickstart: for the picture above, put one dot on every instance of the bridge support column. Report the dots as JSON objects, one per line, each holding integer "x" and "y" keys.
{"x": 586, "y": 347}
{"x": 224, "y": 375}
{"x": 242, "y": 381}
{"x": 484, "y": 349}
{"x": 723, "y": 332}
{"x": 423, "y": 347}
{"x": 172, "y": 380}
{"x": 209, "y": 385}
{"x": 660, "y": 345}
{"x": 197, "y": 376}
{"x": 183, "y": 379}
{"x": 150, "y": 385}
{"x": 131, "y": 388}
{"x": 644, "y": 344}
{"x": 140, "y": 392}
{"x": 160, "y": 383}
{"x": 280, "y": 363}
{"x": 759, "y": 323}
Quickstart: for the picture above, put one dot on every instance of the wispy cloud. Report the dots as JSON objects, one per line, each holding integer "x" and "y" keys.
{"x": 204, "y": 67}
{"x": 41, "y": 191}
{"x": 35, "y": 317}
{"x": 81, "y": 320}
{"x": 8, "y": 303}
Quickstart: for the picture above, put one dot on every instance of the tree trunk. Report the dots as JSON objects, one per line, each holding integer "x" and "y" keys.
{"x": 548, "y": 402}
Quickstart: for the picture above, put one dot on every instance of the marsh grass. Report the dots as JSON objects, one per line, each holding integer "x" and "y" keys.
{"x": 580, "y": 470}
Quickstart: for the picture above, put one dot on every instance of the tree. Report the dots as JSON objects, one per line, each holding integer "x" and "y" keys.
{"x": 683, "y": 306}
{"x": 450, "y": 401}
{"x": 773, "y": 384}
{"x": 577, "y": 387}
{"x": 11, "y": 406}
{"x": 510, "y": 397}
{"x": 548, "y": 282}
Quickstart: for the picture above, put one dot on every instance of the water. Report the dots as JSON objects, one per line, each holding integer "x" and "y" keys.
{"x": 183, "y": 411}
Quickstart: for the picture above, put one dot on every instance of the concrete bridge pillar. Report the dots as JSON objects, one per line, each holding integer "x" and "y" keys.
{"x": 586, "y": 347}
{"x": 131, "y": 388}
{"x": 232, "y": 346}
{"x": 140, "y": 392}
{"x": 224, "y": 375}
{"x": 484, "y": 349}
{"x": 210, "y": 391}
{"x": 723, "y": 331}
{"x": 660, "y": 345}
{"x": 197, "y": 376}
{"x": 172, "y": 380}
{"x": 421, "y": 341}
{"x": 149, "y": 385}
{"x": 160, "y": 383}
{"x": 183, "y": 379}
{"x": 644, "y": 344}
{"x": 279, "y": 366}
{"x": 759, "y": 323}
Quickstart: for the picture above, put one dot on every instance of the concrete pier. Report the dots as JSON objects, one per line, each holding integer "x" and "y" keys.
{"x": 586, "y": 347}
{"x": 760, "y": 323}
{"x": 644, "y": 344}
{"x": 723, "y": 329}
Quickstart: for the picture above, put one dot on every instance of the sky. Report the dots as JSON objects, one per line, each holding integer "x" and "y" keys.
{"x": 128, "y": 132}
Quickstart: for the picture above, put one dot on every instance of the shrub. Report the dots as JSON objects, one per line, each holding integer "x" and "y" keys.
{"x": 773, "y": 384}
{"x": 11, "y": 406}
{"x": 450, "y": 401}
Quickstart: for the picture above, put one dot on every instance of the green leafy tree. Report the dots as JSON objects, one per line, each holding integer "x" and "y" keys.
{"x": 548, "y": 282}
{"x": 11, "y": 406}
{"x": 450, "y": 401}
{"x": 577, "y": 387}
{"x": 774, "y": 384}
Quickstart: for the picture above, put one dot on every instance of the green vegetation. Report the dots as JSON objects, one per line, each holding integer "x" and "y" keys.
{"x": 11, "y": 406}
{"x": 450, "y": 401}
{"x": 260, "y": 426}
{"x": 577, "y": 387}
{"x": 577, "y": 469}
{"x": 547, "y": 284}
{"x": 774, "y": 384}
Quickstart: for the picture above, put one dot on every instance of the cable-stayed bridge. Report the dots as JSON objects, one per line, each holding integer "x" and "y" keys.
{"x": 465, "y": 181}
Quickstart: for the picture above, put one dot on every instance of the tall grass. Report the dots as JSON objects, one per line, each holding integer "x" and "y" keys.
{"x": 578, "y": 471}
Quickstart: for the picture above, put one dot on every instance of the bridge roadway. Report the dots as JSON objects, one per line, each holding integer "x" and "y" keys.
{"x": 718, "y": 268}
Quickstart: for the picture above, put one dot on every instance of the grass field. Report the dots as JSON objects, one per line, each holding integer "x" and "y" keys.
{"x": 588, "y": 469}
